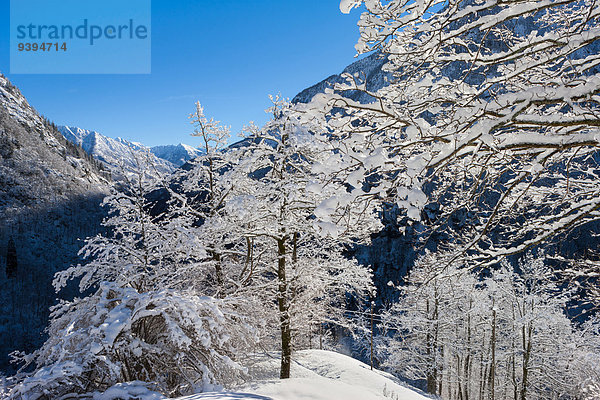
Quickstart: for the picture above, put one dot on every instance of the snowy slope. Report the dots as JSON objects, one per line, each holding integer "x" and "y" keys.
{"x": 50, "y": 194}
{"x": 176, "y": 154}
{"x": 36, "y": 162}
{"x": 317, "y": 375}
{"x": 119, "y": 155}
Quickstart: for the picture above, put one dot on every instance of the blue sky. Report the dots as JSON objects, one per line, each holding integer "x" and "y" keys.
{"x": 229, "y": 55}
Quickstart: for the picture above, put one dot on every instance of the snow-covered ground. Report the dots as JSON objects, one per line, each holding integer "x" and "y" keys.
{"x": 316, "y": 375}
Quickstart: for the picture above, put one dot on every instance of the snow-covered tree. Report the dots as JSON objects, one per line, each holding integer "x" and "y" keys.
{"x": 433, "y": 327}
{"x": 204, "y": 184}
{"x": 209, "y": 166}
{"x": 175, "y": 340}
{"x": 146, "y": 316}
{"x": 582, "y": 275}
{"x": 492, "y": 107}
{"x": 286, "y": 252}
{"x": 505, "y": 336}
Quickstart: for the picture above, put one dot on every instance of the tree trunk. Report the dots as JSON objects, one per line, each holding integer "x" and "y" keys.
{"x": 493, "y": 361}
{"x": 219, "y": 273}
{"x": 468, "y": 358}
{"x": 526, "y": 357}
{"x": 284, "y": 317}
{"x": 482, "y": 375}
{"x": 320, "y": 336}
{"x": 371, "y": 334}
{"x": 431, "y": 349}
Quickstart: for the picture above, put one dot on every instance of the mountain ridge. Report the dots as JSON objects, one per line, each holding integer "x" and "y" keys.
{"x": 122, "y": 156}
{"x": 368, "y": 68}
{"x": 177, "y": 154}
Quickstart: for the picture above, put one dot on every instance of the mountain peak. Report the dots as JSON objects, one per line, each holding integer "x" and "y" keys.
{"x": 120, "y": 155}
{"x": 177, "y": 154}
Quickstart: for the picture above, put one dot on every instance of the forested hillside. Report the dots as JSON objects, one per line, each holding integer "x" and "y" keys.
{"x": 50, "y": 191}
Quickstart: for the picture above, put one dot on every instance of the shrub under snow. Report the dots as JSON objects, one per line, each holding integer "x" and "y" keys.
{"x": 178, "y": 341}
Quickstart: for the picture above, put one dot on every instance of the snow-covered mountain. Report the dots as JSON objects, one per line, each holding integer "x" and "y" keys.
{"x": 368, "y": 68}
{"x": 36, "y": 162}
{"x": 176, "y": 154}
{"x": 50, "y": 194}
{"x": 119, "y": 155}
